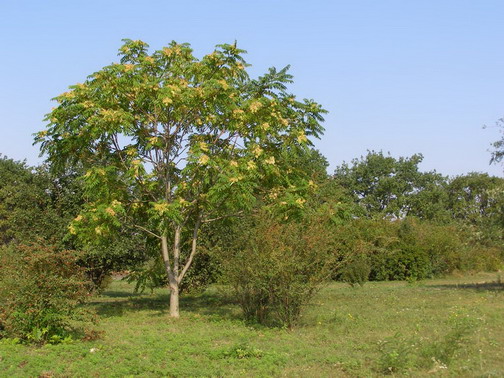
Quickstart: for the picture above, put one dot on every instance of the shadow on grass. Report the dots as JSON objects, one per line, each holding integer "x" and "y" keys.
{"x": 119, "y": 303}
{"x": 479, "y": 286}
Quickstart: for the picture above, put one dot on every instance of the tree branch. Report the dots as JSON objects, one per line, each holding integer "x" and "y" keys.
{"x": 193, "y": 250}
{"x": 149, "y": 232}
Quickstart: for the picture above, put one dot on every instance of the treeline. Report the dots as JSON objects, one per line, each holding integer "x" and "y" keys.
{"x": 375, "y": 218}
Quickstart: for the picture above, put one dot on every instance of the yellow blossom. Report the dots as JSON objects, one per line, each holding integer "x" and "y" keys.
{"x": 78, "y": 218}
{"x": 257, "y": 151}
{"x": 110, "y": 211}
{"x": 284, "y": 122}
{"x": 235, "y": 179}
{"x": 149, "y": 59}
{"x": 223, "y": 84}
{"x": 265, "y": 126}
{"x": 167, "y": 100}
{"x": 300, "y": 201}
{"x": 233, "y": 163}
{"x": 203, "y": 160}
{"x": 167, "y": 51}
{"x": 161, "y": 207}
{"x": 237, "y": 111}
{"x": 251, "y": 165}
{"x": 42, "y": 133}
{"x": 255, "y": 106}
{"x": 270, "y": 160}
{"x": 302, "y": 137}
{"x": 98, "y": 230}
{"x": 203, "y": 146}
{"x": 71, "y": 229}
{"x": 128, "y": 67}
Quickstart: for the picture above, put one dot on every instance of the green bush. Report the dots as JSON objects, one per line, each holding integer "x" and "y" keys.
{"x": 41, "y": 290}
{"x": 410, "y": 249}
{"x": 277, "y": 267}
{"x": 356, "y": 271}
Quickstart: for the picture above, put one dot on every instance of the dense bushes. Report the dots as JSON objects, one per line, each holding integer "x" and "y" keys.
{"x": 275, "y": 268}
{"x": 409, "y": 249}
{"x": 40, "y": 292}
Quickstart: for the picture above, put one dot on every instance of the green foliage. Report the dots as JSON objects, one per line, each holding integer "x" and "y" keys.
{"x": 275, "y": 268}
{"x": 498, "y": 152}
{"x": 387, "y": 187}
{"x": 409, "y": 249}
{"x": 34, "y": 204}
{"x": 243, "y": 350}
{"x": 41, "y": 290}
{"x": 356, "y": 270}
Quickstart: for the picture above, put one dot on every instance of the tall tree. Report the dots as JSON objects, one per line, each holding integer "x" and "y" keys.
{"x": 170, "y": 142}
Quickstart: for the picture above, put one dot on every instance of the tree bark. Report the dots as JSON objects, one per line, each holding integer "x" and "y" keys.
{"x": 174, "y": 300}
{"x": 172, "y": 279}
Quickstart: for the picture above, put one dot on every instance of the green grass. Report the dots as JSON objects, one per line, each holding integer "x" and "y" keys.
{"x": 446, "y": 327}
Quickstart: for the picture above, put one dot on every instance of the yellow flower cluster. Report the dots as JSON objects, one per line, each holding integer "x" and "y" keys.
{"x": 300, "y": 201}
{"x": 302, "y": 137}
{"x": 251, "y": 165}
{"x": 223, "y": 84}
{"x": 161, "y": 207}
{"x": 257, "y": 151}
{"x": 203, "y": 146}
{"x": 255, "y": 106}
{"x": 235, "y": 179}
{"x": 203, "y": 159}
{"x": 270, "y": 160}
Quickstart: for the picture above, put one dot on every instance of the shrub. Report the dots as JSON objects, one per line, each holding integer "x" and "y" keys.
{"x": 356, "y": 270}
{"x": 40, "y": 292}
{"x": 277, "y": 267}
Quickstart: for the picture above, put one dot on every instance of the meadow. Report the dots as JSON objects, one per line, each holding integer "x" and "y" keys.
{"x": 444, "y": 327}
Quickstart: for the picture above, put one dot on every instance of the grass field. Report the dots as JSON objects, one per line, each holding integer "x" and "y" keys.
{"x": 444, "y": 327}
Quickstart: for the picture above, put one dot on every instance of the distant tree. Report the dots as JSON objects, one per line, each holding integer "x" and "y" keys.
{"x": 498, "y": 151}
{"x": 474, "y": 196}
{"x": 170, "y": 142}
{"x": 33, "y": 204}
{"x": 385, "y": 187}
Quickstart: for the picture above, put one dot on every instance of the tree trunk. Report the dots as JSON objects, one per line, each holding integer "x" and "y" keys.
{"x": 172, "y": 279}
{"x": 174, "y": 300}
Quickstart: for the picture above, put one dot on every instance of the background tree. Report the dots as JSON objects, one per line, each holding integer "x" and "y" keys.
{"x": 170, "y": 142}
{"x": 385, "y": 187}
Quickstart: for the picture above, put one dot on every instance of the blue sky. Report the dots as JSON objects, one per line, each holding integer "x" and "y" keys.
{"x": 402, "y": 76}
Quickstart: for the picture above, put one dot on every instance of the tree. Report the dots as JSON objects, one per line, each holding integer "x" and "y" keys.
{"x": 498, "y": 151}
{"x": 170, "y": 142}
{"x": 389, "y": 187}
{"x": 34, "y": 204}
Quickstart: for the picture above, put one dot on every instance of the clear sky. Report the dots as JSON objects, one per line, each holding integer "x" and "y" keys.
{"x": 400, "y": 76}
